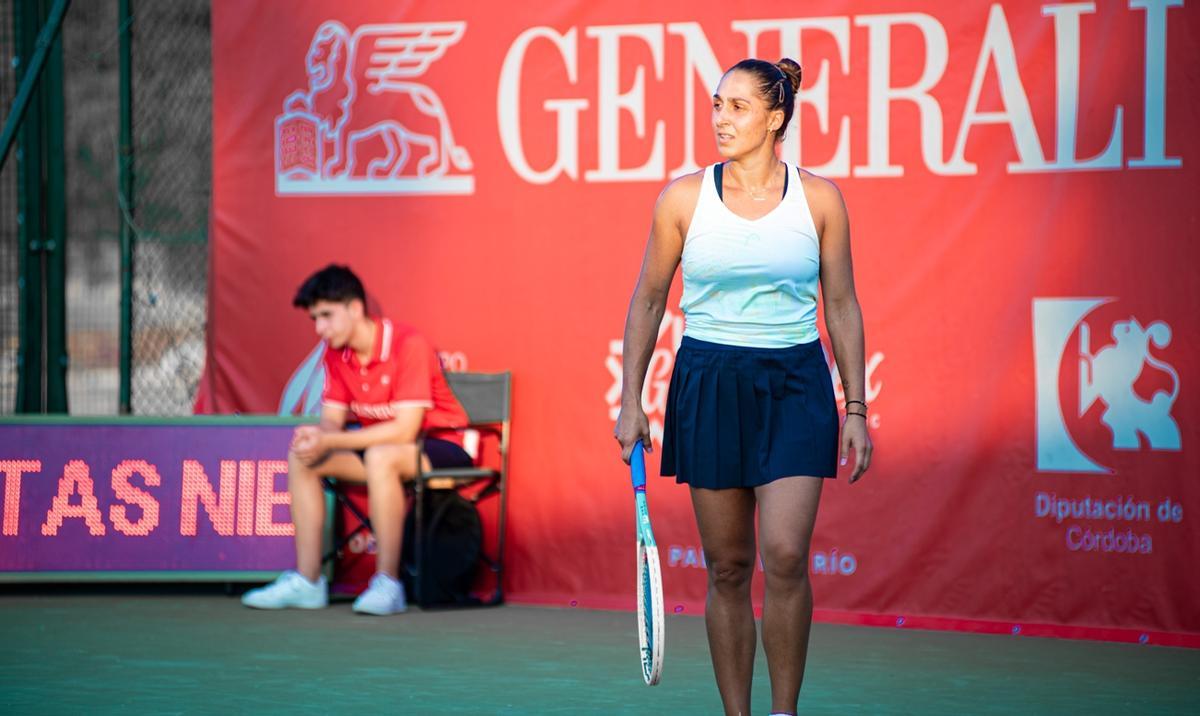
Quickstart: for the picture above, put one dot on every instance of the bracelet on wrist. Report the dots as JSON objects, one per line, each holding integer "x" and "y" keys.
{"x": 861, "y": 415}
{"x": 849, "y": 402}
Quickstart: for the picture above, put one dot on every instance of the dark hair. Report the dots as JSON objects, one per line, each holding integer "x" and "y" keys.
{"x": 777, "y": 85}
{"x": 332, "y": 283}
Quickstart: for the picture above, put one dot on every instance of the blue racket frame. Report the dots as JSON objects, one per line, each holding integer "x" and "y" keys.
{"x": 651, "y": 629}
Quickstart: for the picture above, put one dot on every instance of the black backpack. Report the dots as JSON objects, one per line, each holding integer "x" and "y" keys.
{"x": 453, "y": 543}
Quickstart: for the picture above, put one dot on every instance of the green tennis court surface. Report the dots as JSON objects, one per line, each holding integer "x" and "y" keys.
{"x": 194, "y": 652}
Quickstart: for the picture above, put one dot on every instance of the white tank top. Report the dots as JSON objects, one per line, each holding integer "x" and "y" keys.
{"x": 751, "y": 283}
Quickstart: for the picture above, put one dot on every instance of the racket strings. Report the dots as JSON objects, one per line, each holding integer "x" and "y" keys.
{"x": 650, "y": 613}
{"x": 648, "y": 602}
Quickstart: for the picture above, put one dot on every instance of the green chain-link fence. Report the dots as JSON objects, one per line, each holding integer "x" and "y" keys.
{"x": 9, "y": 315}
{"x": 172, "y": 167}
{"x": 166, "y": 204}
{"x": 90, "y": 46}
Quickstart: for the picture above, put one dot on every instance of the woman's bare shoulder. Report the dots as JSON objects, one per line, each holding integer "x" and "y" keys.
{"x": 684, "y": 188}
{"x": 677, "y": 201}
{"x": 824, "y": 200}
{"x": 820, "y": 190}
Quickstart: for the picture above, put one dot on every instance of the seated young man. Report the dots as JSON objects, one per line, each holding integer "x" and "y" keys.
{"x": 388, "y": 378}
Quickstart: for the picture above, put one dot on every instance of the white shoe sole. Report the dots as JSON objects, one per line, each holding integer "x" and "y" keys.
{"x": 378, "y": 613}
{"x": 274, "y": 608}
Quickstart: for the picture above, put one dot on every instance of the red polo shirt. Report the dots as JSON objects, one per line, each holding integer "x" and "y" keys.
{"x": 403, "y": 371}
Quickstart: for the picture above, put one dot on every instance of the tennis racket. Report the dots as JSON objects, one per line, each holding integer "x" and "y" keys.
{"x": 651, "y": 631}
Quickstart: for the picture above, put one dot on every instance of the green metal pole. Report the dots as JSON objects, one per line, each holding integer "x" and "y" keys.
{"x": 54, "y": 146}
{"x": 32, "y": 56}
{"x": 29, "y": 216}
{"x": 125, "y": 180}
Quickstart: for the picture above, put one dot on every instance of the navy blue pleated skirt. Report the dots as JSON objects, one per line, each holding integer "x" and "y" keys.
{"x": 742, "y": 417}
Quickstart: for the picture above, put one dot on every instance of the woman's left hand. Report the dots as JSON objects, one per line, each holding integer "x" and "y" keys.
{"x": 854, "y": 437}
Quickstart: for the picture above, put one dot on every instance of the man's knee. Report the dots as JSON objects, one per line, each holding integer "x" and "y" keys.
{"x": 383, "y": 462}
{"x": 298, "y": 469}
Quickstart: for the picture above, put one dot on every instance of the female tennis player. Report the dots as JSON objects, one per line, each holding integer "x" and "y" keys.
{"x": 751, "y": 417}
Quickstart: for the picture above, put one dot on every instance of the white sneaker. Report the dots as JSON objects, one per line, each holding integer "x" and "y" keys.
{"x": 290, "y": 590}
{"x": 384, "y": 595}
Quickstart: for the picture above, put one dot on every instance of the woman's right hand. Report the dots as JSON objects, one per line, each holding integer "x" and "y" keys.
{"x": 632, "y": 426}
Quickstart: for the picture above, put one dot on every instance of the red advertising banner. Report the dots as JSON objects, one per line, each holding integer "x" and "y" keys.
{"x": 129, "y": 497}
{"x": 1022, "y": 183}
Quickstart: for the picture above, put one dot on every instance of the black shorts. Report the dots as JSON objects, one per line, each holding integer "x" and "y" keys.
{"x": 442, "y": 453}
{"x": 742, "y": 417}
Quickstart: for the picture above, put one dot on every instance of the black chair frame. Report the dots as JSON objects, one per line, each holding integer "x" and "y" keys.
{"x": 491, "y": 420}
{"x": 487, "y": 400}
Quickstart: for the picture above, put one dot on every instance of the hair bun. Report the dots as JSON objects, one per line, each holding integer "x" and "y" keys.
{"x": 791, "y": 69}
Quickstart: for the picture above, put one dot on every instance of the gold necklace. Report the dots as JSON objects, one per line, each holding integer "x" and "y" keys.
{"x": 761, "y": 195}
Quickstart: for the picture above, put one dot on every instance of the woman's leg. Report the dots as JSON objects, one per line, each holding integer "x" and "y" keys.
{"x": 787, "y": 509}
{"x": 726, "y": 522}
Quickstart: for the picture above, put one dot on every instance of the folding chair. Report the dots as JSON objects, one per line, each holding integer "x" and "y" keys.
{"x": 337, "y": 544}
{"x": 487, "y": 399}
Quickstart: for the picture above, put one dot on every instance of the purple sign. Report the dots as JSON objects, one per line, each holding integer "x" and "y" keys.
{"x": 138, "y": 497}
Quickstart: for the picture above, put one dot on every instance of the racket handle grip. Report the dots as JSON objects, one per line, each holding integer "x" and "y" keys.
{"x": 637, "y": 465}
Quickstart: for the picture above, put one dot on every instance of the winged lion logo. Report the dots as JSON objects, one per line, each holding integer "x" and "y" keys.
{"x": 365, "y": 125}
